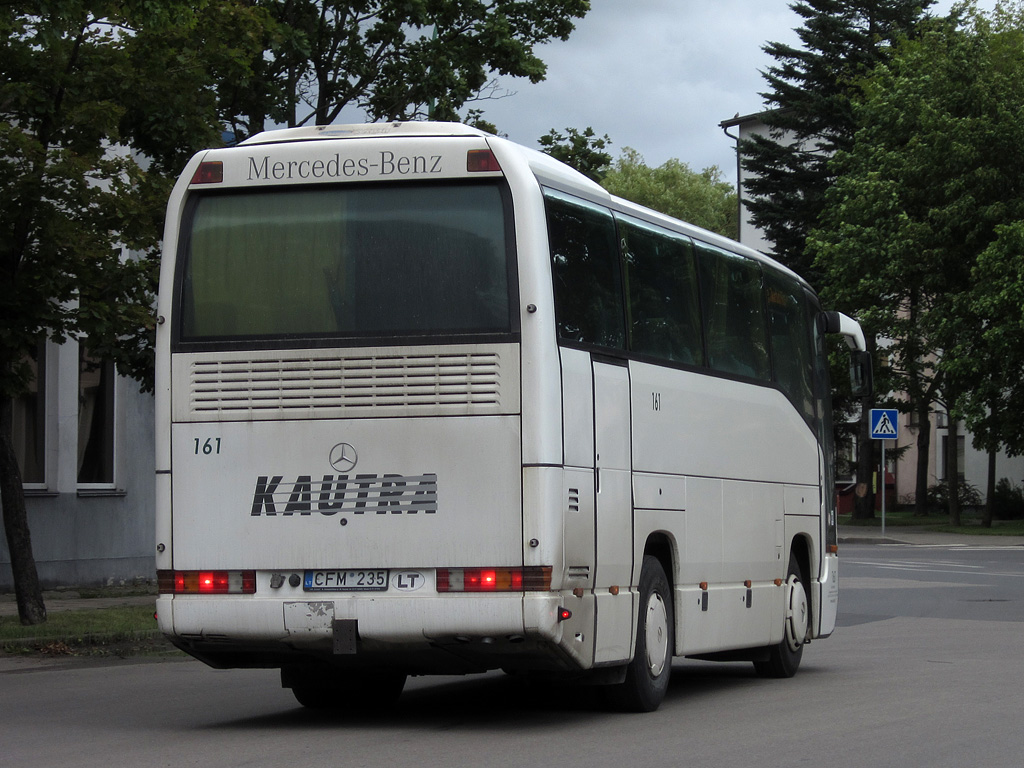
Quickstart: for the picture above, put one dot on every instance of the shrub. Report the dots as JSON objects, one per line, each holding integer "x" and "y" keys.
{"x": 938, "y": 496}
{"x": 1007, "y": 501}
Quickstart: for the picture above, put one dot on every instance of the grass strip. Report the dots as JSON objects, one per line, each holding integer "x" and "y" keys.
{"x": 118, "y": 631}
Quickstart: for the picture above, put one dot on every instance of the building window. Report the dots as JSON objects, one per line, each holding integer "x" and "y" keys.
{"x": 29, "y": 422}
{"x": 95, "y": 419}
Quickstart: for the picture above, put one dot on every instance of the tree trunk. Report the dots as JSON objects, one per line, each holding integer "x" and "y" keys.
{"x": 28, "y": 592}
{"x": 990, "y": 490}
{"x": 924, "y": 444}
{"x": 953, "y": 471}
{"x": 864, "y": 495}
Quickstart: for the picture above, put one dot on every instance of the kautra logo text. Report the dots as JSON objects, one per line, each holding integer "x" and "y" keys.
{"x": 358, "y": 494}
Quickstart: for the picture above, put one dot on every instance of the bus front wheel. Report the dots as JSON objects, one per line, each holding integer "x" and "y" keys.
{"x": 784, "y": 658}
{"x": 647, "y": 675}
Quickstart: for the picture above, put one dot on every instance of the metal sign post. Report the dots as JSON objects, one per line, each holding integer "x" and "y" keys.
{"x": 884, "y": 426}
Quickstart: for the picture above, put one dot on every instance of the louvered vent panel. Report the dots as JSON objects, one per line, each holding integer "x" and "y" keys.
{"x": 310, "y": 387}
{"x": 574, "y": 500}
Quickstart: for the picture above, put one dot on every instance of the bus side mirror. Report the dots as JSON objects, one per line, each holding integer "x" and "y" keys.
{"x": 837, "y": 322}
{"x": 861, "y": 380}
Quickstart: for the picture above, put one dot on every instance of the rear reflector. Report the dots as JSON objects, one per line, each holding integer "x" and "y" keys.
{"x": 209, "y": 173}
{"x": 532, "y": 578}
{"x": 206, "y": 582}
{"x": 481, "y": 160}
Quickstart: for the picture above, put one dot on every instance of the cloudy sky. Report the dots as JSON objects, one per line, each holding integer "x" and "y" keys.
{"x": 655, "y": 75}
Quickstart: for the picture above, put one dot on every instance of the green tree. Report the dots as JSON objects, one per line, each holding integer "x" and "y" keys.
{"x": 583, "y": 150}
{"x": 918, "y": 198}
{"x": 102, "y": 102}
{"x": 810, "y": 117}
{"x": 704, "y": 199}
{"x": 395, "y": 60}
{"x": 85, "y": 85}
{"x": 810, "y": 114}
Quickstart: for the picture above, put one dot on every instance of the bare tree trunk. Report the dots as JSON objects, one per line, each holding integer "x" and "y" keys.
{"x": 28, "y": 592}
{"x": 990, "y": 490}
{"x": 924, "y": 444}
{"x": 864, "y": 496}
{"x": 953, "y": 471}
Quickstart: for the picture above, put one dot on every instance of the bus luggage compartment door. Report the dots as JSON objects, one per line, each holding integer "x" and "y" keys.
{"x": 612, "y": 462}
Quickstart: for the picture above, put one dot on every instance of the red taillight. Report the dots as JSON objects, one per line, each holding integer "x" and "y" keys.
{"x": 532, "y": 578}
{"x": 209, "y": 173}
{"x": 206, "y": 582}
{"x": 481, "y": 161}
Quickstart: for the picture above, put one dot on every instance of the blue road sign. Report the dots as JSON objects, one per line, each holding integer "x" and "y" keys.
{"x": 885, "y": 424}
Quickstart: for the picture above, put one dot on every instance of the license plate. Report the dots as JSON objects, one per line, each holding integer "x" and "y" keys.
{"x": 346, "y": 580}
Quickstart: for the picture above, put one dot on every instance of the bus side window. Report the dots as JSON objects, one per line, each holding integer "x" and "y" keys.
{"x": 585, "y": 273}
{"x": 734, "y": 318}
{"x": 661, "y": 278}
{"x": 792, "y": 342}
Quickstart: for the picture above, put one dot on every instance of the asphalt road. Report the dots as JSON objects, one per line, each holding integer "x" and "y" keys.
{"x": 924, "y": 670}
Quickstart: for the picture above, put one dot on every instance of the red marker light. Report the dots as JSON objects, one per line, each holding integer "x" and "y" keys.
{"x": 209, "y": 173}
{"x": 481, "y": 161}
{"x": 564, "y": 614}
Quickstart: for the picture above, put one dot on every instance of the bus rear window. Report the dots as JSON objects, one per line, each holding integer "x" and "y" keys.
{"x": 346, "y": 261}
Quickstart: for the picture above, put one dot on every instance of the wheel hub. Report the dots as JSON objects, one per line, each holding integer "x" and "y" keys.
{"x": 656, "y": 635}
{"x": 797, "y": 613}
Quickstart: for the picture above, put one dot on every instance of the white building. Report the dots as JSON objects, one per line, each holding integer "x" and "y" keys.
{"x": 84, "y": 441}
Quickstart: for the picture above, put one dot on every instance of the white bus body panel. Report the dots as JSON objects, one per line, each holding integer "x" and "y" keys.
{"x": 727, "y": 511}
{"x": 268, "y": 499}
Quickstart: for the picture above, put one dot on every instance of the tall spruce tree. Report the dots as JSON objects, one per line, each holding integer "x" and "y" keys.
{"x": 810, "y": 117}
{"x": 810, "y": 114}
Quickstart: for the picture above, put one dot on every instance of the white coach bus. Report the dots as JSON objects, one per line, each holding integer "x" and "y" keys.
{"x": 431, "y": 402}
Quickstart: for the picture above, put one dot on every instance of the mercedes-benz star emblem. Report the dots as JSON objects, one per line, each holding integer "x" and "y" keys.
{"x": 343, "y": 457}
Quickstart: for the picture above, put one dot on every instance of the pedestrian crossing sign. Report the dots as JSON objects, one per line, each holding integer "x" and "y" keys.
{"x": 884, "y": 424}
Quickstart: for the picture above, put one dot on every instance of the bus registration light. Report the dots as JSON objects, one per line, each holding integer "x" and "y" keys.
{"x": 532, "y": 578}
{"x": 206, "y": 582}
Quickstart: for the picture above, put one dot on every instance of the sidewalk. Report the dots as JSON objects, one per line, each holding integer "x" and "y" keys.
{"x": 905, "y": 534}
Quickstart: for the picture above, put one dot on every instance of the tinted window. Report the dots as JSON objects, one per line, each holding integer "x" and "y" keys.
{"x": 349, "y": 261}
{"x": 792, "y": 342}
{"x": 585, "y": 272}
{"x": 737, "y": 340}
{"x": 661, "y": 278}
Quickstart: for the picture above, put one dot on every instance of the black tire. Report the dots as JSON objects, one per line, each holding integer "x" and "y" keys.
{"x": 355, "y": 692}
{"x": 647, "y": 675}
{"x": 784, "y": 658}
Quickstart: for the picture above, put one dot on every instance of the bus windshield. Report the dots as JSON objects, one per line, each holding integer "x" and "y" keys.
{"x": 420, "y": 259}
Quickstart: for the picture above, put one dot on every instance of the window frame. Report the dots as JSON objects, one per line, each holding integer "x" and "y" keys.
{"x": 43, "y": 408}
{"x": 336, "y": 340}
{"x": 108, "y": 382}
{"x": 621, "y": 350}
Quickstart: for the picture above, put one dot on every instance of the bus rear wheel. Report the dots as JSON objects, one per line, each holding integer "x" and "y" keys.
{"x": 784, "y": 658}
{"x": 647, "y": 675}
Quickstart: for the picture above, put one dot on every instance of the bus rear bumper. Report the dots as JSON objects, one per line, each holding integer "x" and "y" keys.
{"x": 451, "y": 633}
